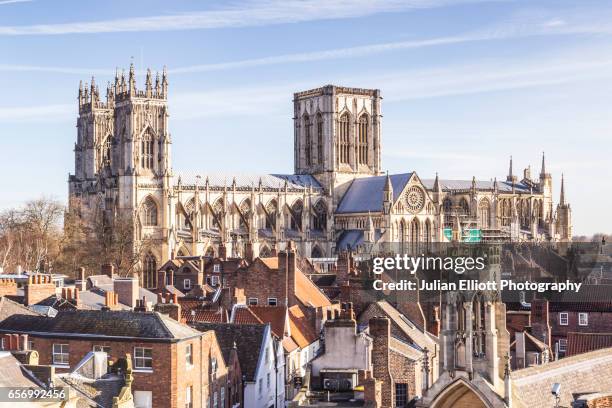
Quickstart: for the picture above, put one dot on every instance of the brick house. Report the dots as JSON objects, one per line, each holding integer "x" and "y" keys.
{"x": 261, "y": 361}
{"x": 173, "y": 364}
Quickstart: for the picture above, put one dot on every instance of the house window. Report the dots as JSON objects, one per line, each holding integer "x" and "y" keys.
{"x": 583, "y": 319}
{"x": 563, "y": 318}
{"x": 252, "y": 301}
{"x": 143, "y": 358}
{"x": 105, "y": 349}
{"x": 562, "y": 345}
{"x": 401, "y": 393}
{"x": 143, "y": 399}
{"x": 213, "y": 367}
{"x": 214, "y": 280}
{"x": 60, "y": 354}
{"x": 2, "y": 344}
{"x": 217, "y": 268}
{"x": 189, "y": 355}
{"x": 222, "y": 397}
{"x": 187, "y": 283}
{"x": 30, "y": 345}
{"x": 215, "y": 400}
{"x": 189, "y": 397}
{"x": 272, "y": 302}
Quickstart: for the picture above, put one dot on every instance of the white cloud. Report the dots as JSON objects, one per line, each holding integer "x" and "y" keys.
{"x": 245, "y": 14}
{"x": 3, "y": 2}
{"x": 41, "y": 112}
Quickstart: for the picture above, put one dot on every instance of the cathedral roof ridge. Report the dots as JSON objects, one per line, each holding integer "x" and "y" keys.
{"x": 248, "y": 180}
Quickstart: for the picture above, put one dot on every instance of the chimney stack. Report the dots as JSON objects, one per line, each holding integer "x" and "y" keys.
{"x": 127, "y": 290}
{"x": 107, "y": 269}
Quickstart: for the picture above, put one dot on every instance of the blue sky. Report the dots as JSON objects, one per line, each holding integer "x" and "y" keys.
{"x": 466, "y": 84}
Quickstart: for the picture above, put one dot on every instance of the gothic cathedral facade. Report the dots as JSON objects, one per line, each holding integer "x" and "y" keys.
{"x": 338, "y": 197}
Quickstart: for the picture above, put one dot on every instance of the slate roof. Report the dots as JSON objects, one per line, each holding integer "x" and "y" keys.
{"x": 9, "y": 308}
{"x": 419, "y": 339}
{"x": 581, "y": 374}
{"x": 366, "y": 194}
{"x": 270, "y": 181}
{"x": 352, "y": 238}
{"x": 578, "y": 343}
{"x": 12, "y": 374}
{"x": 100, "y": 324}
{"x": 450, "y": 185}
{"x": 590, "y": 298}
{"x": 248, "y": 339}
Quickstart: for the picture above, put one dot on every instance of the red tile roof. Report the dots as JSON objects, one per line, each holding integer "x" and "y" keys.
{"x": 244, "y": 315}
{"x": 275, "y": 315}
{"x": 308, "y": 293}
{"x": 578, "y": 343}
{"x": 204, "y": 315}
{"x": 302, "y": 331}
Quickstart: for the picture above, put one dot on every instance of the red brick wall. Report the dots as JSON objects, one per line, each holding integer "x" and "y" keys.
{"x": 170, "y": 376}
{"x": 599, "y": 322}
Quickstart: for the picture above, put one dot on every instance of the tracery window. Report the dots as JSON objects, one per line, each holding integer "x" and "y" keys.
{"x": 363, "y": 140}
{"x": 106, "y": 151}
{"x": 343, "y": 134}
{"x": 149, "y": 271}
{"x": 149, "y": 213}
{"x": 319, "y": 139}
{"x": 271, "y": 214}
{"x": 146, "y": 150}
{"x": 319, "y": 219}
{"x": 447, "y": 205}
{"x": 484, "y": 213}
{"x": 308, "y": 139}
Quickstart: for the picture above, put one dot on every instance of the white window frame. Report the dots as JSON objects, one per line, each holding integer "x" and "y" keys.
{"x": 189, "y": 355}
{"x": 99, "y": 347}
{"x": 214, "y": 280}
{"x": 143, "y": 396}
{"x": 215, "y": 400}
{"x": 582, "y": 316}
{"x": 563, "y": 316}
{"x": 189, "y": 397}
{"x": 61, "y": 357}
{"x": 216, "y": 268}
{"x": 253, "y": 301}
{"x": 272, "y": 301}
{"x": 562, "y": 345}
{"x": 187, "y": 283}
{"x": 140, "y": 357}
{"x": 222, "y": 397}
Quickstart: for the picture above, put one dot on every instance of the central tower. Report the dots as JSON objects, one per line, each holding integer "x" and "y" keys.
{"x": 337, "y": 134}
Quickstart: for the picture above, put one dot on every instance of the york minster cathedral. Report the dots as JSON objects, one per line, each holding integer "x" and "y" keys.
{"x": 338, "y": 198}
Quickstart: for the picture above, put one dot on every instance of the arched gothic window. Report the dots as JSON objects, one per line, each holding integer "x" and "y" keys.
{"x": 484, "y": 212}
{"x": 506, "y": 212}
{"x": 363, "y": 139}
{"x": 106, "y": 151}
{"x": 308, "y": 139}
{"x": 149, "y": 271}
{"x": 319, "y": 218}
{"x": 149, "y": 213}
{"x": 146, "y": 150}
{"x": 427, "y": 233}
{"x": 447, "y": 206}
{"x": 319, "y": 139}
{"x": 296, "y": 215}
{"x": 464, "y": 206}
{"x": 271, "y": 214}
{"x": 245, "y": 214}
{"x": 415, "y": 228}
{"x": 343, "y": 135}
